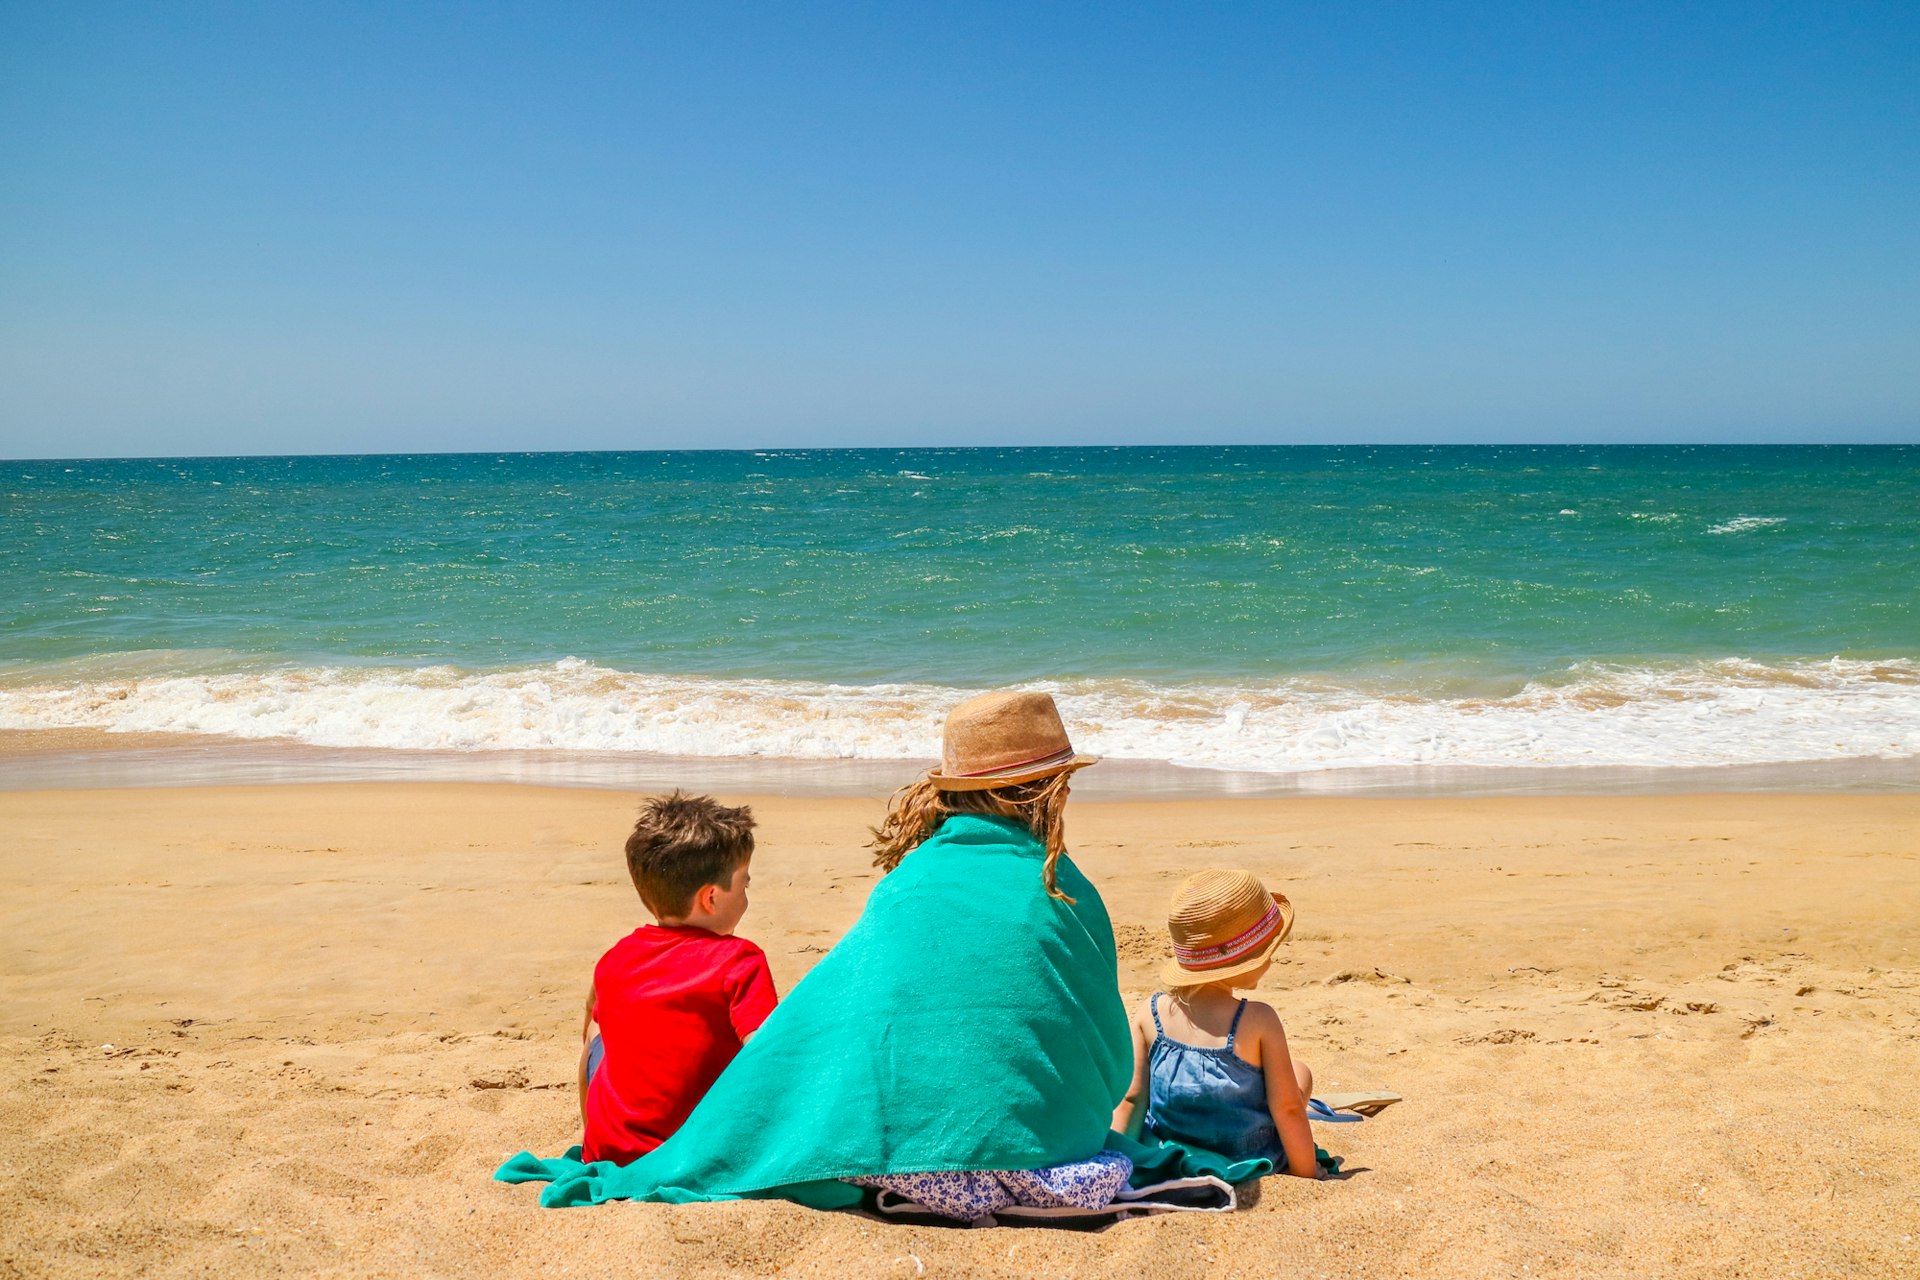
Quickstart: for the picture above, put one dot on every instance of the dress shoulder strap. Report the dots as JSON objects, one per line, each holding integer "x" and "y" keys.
{"x": 1153, "y": 1004}
{"x": 1234, "y": 1028}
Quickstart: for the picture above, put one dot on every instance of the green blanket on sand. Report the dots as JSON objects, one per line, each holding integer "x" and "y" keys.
{"x": 966, "y": 1021}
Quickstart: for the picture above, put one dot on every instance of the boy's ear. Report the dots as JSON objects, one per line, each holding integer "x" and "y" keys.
{"x": 704, "y": 899}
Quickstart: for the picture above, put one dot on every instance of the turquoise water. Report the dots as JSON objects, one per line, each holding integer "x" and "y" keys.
{"x": 1163, "y": 586}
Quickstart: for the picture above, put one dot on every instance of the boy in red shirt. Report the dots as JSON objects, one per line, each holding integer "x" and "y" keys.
{"x": 675, "y": 1000}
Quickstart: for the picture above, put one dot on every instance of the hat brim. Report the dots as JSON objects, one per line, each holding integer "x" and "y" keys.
{"x": 986, "y": 782}
{"x": 1174, "y": 974}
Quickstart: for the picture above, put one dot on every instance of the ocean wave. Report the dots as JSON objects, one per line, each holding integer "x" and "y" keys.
{"x": 1712, "y": 713}
{"x": 1740, "y": 524}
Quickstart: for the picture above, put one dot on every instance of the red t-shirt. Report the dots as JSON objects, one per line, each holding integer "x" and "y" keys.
{"x": 674, "y": 1003}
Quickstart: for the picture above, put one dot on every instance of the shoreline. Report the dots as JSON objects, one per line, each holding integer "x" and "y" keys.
{"x": 1704, "y": 713}
{"x": 91, "y": 759}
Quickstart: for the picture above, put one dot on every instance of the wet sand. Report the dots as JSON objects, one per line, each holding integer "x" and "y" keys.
{"x": 95, "y": 759}
{"x": 293, "y": 1029}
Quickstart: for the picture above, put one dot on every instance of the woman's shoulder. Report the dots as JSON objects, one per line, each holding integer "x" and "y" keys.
{"x": 982, "y": 829}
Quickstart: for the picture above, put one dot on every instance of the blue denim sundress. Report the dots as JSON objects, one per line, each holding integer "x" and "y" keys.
{"x": 1210, "y": 1098}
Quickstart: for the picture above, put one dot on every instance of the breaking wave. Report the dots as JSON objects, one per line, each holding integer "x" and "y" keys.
{"x": 1685, "y": 715}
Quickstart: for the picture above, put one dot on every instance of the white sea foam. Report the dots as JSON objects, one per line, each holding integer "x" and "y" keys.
{"x": 1720, "y": 713}
{"x": 1740, "y": 524}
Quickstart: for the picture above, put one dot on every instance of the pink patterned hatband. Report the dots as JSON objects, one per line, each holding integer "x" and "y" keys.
{"x": 1234, "y": 949}
{"x": 1058, "y": 757}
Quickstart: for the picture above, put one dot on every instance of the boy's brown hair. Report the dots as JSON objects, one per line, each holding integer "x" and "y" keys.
{"x": 683, "y": 843}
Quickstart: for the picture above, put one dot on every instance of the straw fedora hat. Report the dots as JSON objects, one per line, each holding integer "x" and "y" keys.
{"x": 998, "y": 739}
{"x": 1224, "y": 925}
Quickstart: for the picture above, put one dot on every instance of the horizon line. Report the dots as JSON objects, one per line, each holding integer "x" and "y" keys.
{"x": 767, "y": 450}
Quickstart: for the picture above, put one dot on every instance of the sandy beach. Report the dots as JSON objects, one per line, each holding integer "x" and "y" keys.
{"x": 1456, "y": 465}
{"x": 267, "y": 1030}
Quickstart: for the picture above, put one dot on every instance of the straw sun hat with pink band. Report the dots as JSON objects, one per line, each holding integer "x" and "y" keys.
{"x": 1224, "y": 925}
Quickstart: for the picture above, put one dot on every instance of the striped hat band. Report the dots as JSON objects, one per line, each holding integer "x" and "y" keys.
{"x": 1061, "y": 756}
{"x": 1218, "y": 955}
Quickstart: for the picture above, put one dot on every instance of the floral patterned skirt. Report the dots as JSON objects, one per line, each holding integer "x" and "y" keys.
{"x": 1081, "y": 1184}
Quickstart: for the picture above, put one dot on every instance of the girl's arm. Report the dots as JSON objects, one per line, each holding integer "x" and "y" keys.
{"x": 1132, "y": 1111}
{"x": 1284, "y": 1099}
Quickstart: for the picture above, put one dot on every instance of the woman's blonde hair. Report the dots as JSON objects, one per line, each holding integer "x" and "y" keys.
{"x": 917, "y": 810}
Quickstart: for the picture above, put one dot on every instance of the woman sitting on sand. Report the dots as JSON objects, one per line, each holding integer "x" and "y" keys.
{"x": 969, "y": 1024}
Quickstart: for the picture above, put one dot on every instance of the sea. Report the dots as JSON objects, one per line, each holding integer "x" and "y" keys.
{"x": 1483, "y": 618}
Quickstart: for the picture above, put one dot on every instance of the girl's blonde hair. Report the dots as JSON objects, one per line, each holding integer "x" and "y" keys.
{"x": 917, "y": 810}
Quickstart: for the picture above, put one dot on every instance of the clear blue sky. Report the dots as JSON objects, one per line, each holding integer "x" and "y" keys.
{"x": 325, "y": 227}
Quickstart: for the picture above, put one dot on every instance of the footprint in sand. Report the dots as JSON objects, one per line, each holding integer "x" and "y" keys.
{"x": 1134, "y": 942}
{"x": 1375, "y": 977}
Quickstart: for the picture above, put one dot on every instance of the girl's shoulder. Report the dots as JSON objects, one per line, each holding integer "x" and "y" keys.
{"x": 1259, "y": 1017}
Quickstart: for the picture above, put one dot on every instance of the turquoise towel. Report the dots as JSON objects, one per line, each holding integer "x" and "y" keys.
{"x": 1152, "y": 1162}
{"x": 966, "y": 1021}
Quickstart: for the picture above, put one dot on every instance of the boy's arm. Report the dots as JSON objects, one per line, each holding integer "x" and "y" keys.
{"x": 1289, "y": 1109}
{"x": 1132, "y": 1111}
{"x": 586, "y": 1045}
{"x": 750, "y": 993}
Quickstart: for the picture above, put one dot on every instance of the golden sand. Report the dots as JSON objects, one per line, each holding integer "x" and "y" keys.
{"x": 293, "y": 1029}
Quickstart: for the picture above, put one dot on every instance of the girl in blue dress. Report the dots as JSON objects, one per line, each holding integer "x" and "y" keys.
{"x": 1212, "y": 1070}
